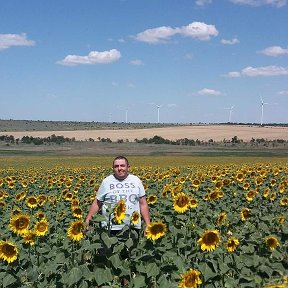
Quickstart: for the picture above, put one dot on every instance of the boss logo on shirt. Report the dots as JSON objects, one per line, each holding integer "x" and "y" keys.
{"x": 122, "y": 186}
{"x": 132, "y": 198}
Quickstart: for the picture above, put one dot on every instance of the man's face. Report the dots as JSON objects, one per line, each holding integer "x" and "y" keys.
{"x": 120, "y": 169}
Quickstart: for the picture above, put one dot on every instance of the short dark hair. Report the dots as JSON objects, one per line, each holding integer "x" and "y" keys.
{"x": 121, "y": 158}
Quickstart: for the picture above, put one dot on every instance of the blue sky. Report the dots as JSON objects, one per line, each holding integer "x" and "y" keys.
{"x": 115, "y": 60}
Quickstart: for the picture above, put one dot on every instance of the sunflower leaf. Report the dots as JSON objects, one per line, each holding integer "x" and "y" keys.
{"x": 74, "y": 275}
{"x": 102, "y": 275}
{"x": 8, "y": 280}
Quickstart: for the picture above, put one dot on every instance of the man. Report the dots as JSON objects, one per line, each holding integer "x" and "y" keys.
{"x": 120, "y": 186}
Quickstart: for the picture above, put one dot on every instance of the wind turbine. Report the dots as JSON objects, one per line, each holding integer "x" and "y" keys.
{"x": 158, "y": 112}
{"x": 230, "y": 113}
{"x": 262, "y": 110}
{"x": 126, "y": 116}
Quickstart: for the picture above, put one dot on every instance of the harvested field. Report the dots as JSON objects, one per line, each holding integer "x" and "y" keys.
{"x": 201, "y": 132}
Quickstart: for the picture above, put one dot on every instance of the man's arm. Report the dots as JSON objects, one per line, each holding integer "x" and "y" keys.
{"x": 144, "y": 210}
{"x": 95, "y": 207}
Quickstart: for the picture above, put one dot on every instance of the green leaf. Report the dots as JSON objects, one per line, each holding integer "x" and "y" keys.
{"x": 152, "y": 269}
{"x": 138, "y": 281}
{"x": 108, "y": 240}
{"x": 115, "y": 260}
{"x": 206, "y": 271}
{"x": 163, "y": 282}
{"x": 8, "y": 280}
{"x": 102, "y": 275}
{"x": 74, "y": 275}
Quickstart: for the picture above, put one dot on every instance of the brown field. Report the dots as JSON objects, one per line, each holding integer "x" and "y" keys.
{"x": 201, "y": 132}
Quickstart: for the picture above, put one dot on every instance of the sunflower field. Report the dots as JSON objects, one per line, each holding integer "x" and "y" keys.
{"x": 214, "y": 225}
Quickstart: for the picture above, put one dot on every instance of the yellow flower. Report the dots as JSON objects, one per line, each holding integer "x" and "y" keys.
{"x": 31, "y": 202}
{"x": 77, "y": 212}
{"x": 75, "y": 231}
{"x": 193, "y": 203}
{"x": 190, "y": 279}
{"x": 151, "y": 199}
{"x": 41, "y": 227}
{"x": 209, "y": 240}
{"x": 232, "y": 244}
{"x": 19, "y": 223}
{"x": 135, "y": 217}
{"x": 8, "y": 251}
{"x": 155, "y": 230}
{"x": 29, "y": 237}
{"x": 221, "y": 218}
{"x": 276, "y": 286}
{"x": 272, "y": 242}
{"x": 119, "y": 212}
{"x": 284, "y": 201}
{"x": 245, "y": 214}
{"x": 181, "y": 203}
{"x": 250, "y": 195}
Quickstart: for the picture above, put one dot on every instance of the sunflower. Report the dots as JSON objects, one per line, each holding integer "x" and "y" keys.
{"x": 266, "y": 192}
{"x": 245, "y": 214}
{"x": 250, "y": 195}
{"x": 77, "y": 212}
{"x": 119, "y": 211}
{"x": 40, "y": 215}
{"x": 221, "y": 218}
{"x": 29, "y": 237}
{"x": 41, "y": 227}
{"x": 19, "y": 223}
{"x": 31, "y": 202}
{"x": 196, "y": 184}
{"x": 2, "y": 204}
{"x": 181, "y": 203}
{"x": 190, "y": 279}
{"x": 272, "y": 242}
{"x": 193, "y": 203}
{"x": 151, "y": 199}
{"x": 232, "y": 244}
{"x": 75, "y": 231}
{"x": 209, "y": 240}
{"x": 280, "y": 219}
{"x": 20, "y": 195}
{"x": 156, "y": 230}
{"x": 135, "y": 217}
{"x": 246, "y": 185}
{"x": 8, "y": 251}
{"x": 284, "y": 201}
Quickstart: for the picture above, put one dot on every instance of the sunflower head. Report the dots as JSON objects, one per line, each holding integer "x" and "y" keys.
{"x": 181, "y": 203}
{"x": 232, "y": 244}
{"x": 221, "y": 218}
{"x": 245, "y": 214}
{"x": 209, "y": 240}
{"x": 75, "y": 231}
{"x": 31, "y": 202}
{"x": 151, "y": 199}
{"x": 272, "y": 242}
{"x": 156, "y": 230}
{"x": 41, "y": 227}
{"x": 119, "y": 212}
{"x": 30, "y": 237}
{"x": 190, "y": 279}
{"x": 135, "y": 217}
{"x": 8, "y": 251}
{"x": 19, "y": 223}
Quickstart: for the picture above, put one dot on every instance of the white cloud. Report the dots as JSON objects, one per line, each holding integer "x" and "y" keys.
{"x": 156, "y": 35}
{"x": 207, "y": 91}
{"x": 259, "y": 71}
{"x": 136, "y": 62}
{"x": 233, "y": 74}
{"x": 275, "y": 51}
{"x": 264, "y": 71}
{"x": 198, "y": 30}
{"x": 9, "y": 40}
{"x": 283, "y": 92}
{"x": 162, "y": 34}
{"x": 277, "y": 3}
{"x": 203, "y": 2}
{"x": 94, "y": 57}
{"x": 230, "y": 42}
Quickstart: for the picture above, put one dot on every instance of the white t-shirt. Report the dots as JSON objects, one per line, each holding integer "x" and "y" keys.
{"x": 112, "y": 190}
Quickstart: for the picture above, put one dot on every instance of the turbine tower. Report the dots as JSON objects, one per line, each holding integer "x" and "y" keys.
{"x": 126, "y": 116}
{"x": 158, "y": 112}
{"x": 230, "y": 113}
{"x": 262, "y": 110}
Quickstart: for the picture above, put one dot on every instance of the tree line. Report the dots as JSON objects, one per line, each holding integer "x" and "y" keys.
{"x": 53, "y": 139}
